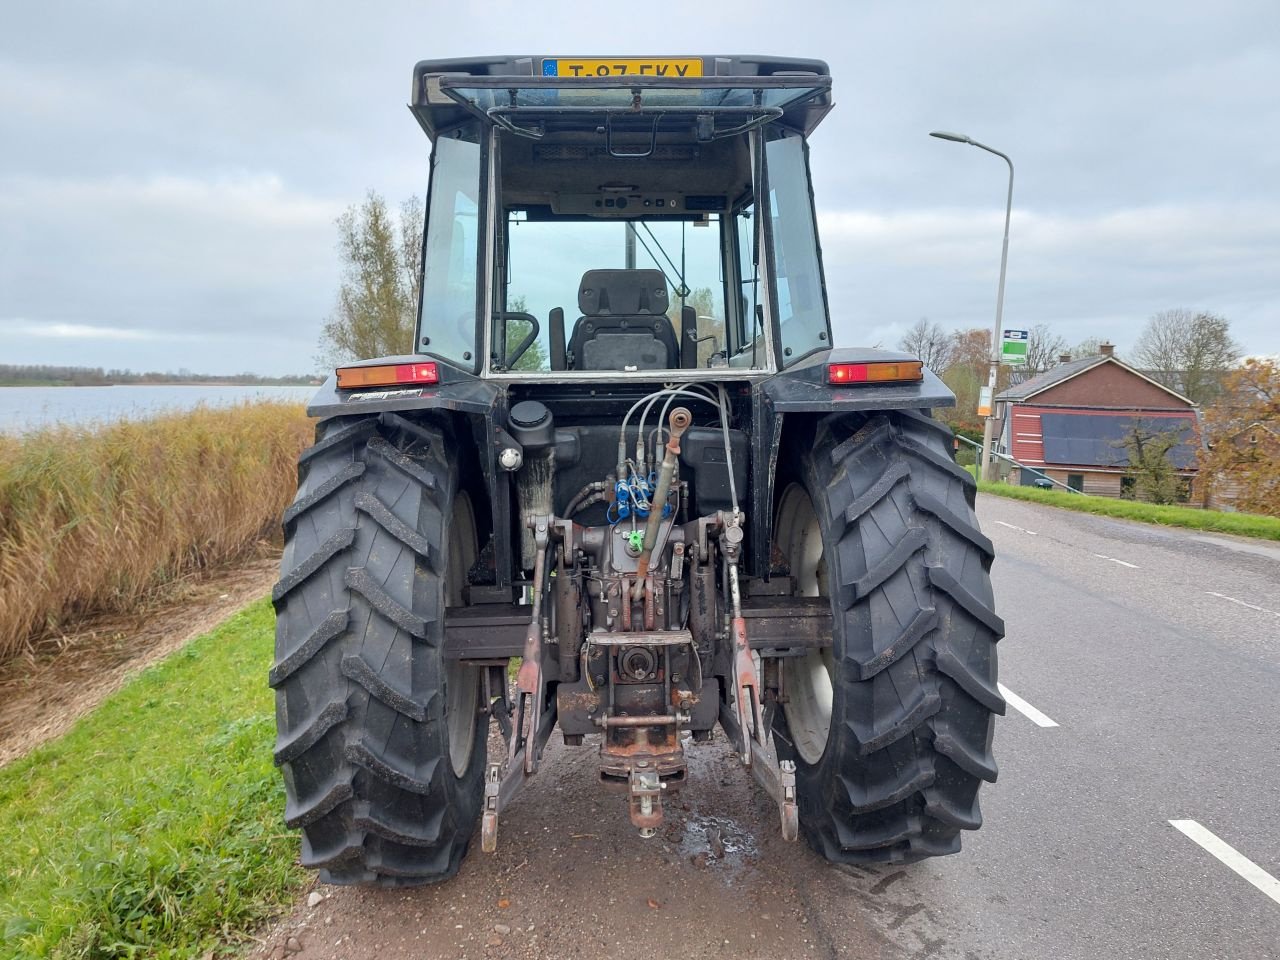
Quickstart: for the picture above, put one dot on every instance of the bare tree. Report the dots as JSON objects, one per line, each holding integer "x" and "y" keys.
{"x": 930, "y": 343}
{"x": 1088, "y": 347}
{"x": 1043, "y": 348}
{"x": 1188, "y": 352}
{"x": 378, "y": 296}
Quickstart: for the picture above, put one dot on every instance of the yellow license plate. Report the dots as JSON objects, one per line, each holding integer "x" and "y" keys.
{"x": 622, "y": 67}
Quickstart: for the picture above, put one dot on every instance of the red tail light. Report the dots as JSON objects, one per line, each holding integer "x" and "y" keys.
{"x": 389, "y": 375}
{"x": 896, "y": 371}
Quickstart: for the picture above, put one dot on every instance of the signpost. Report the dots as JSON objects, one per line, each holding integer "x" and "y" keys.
{"x": 1013, "y": 348}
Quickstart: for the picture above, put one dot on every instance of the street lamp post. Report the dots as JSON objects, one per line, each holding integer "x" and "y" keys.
{"x": 988, "y": 429}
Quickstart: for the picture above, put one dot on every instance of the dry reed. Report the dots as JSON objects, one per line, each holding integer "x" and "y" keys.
{"x": 93, "y": 519}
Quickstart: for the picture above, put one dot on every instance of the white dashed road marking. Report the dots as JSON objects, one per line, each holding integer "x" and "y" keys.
{"x": 1123, "y": 563}
{"x": 1030, "y": 533}
{"x": 1251, "y": 606}
{"x": 1024, "y": 708}
{"x": 1237, "y": 861}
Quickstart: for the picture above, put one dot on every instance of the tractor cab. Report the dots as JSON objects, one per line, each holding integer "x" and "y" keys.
{"x": 621, "y": 217}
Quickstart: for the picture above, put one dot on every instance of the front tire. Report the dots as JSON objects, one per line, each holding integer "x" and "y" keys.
{"x": 380, "y": 739}
{"x": 891, "y": 727}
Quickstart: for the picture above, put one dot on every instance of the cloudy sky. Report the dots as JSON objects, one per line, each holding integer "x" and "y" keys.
{"x": 169, "y": 172}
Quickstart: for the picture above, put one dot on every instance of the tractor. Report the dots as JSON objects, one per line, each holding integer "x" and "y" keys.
{"x": 625, "y": 484}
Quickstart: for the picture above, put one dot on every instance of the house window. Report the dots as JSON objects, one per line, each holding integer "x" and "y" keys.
{"x": 1076, "y": 481}
{"x": 1127, "y": 488}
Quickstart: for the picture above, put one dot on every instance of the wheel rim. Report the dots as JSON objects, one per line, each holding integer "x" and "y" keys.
{"x": 809, "y": 679}
{"x": 461, "y": 682}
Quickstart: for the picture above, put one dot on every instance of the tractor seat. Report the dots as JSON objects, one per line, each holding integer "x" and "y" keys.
{"x": 624, "y": 323}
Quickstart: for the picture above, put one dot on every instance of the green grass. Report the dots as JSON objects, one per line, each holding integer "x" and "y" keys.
{"x": 1240, "y": 524}
{"x": 154, "y": 828}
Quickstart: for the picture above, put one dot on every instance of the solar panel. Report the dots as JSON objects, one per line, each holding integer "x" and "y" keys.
{"x": 1100, "y": 440}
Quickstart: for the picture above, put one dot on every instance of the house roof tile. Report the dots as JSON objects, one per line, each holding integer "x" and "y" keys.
{"x": 1065, "y": 371}
{"x": 1053, "y": 375}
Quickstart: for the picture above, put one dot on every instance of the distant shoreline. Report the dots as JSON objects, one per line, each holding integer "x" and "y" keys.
{"x": 32, "y": 407}
{"x": 164, "y": 383}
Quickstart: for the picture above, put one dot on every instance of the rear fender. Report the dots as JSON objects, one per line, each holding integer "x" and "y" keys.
{"x": 478, "y": 409}
{"x": 457, "y": 391}
{"x": 800, "y": 395}
{"x": 803, "y": 388}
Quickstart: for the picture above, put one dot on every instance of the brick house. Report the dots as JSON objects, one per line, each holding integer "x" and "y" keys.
{"x": 1071, "y": 422}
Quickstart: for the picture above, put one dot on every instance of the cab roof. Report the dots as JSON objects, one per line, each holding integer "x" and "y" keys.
{"x": 793, "y": 92}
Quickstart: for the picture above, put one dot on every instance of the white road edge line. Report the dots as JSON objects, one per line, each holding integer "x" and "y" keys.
{"x": 1237, "y": 861}
{"x": 1123, "y": 563}
{"x": 1030, "y": 533}
{"x": 1242, "y": 603}
{"x": 1024, "y": 708}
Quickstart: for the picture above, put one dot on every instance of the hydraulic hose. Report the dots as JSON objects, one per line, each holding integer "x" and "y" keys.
{"x": 680, "y": 420}
{"x": 586, "y": 496}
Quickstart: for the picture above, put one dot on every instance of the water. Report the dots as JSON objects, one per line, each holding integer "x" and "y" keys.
{"x": 29, "y": 408}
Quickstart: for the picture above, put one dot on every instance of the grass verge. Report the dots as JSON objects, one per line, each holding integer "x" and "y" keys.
{"x": 94, "y": 519}
{"x": 1239, "y": 524}
{"x": 153, "y": 829}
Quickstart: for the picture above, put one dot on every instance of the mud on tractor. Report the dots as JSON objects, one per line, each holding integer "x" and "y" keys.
{"x": 626, "y": 455}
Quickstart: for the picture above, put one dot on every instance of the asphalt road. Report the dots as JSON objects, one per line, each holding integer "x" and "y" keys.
{"x": 1154, "y": 654}
{"x": 1157, "y": 653}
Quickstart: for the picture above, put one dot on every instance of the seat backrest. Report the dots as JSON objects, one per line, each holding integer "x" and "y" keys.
{"x": 624, "y": 322}
{"x": 604, "y": 293}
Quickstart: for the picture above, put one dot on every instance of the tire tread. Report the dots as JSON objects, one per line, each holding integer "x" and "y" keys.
{"x": 359, "y": 667}
{"x": 915, "y": 642}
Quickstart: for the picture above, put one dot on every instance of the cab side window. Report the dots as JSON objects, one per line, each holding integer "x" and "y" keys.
{"x": 802, "y": 302}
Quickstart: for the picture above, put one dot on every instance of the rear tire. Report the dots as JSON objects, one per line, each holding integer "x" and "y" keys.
{"x": 890, "y": 728}
{"x": 380, "y": 740}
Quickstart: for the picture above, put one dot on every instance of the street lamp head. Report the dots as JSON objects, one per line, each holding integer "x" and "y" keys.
{"x": 957, "y": 137}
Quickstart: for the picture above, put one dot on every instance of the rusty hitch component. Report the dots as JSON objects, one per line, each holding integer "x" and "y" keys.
{"x": 500, "y": 788}
{"x": 530, "y": 728}
{"x": 746, "y": 689}
{"x": 679, "y": 422}
{"x": 489, "y": 819}
{"x": 746, "y": 695}
{"x": 529, "y": 680}
{"x": 644, "y": 798}
{"x": 779, "y": 781}
{"x": 778, "y": 778}
{"x": 788, "y": 809}
{"x": 746, "y": 722}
